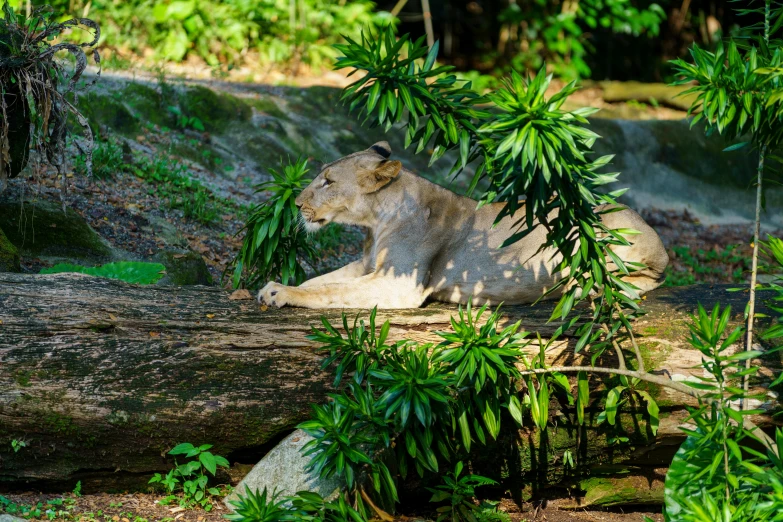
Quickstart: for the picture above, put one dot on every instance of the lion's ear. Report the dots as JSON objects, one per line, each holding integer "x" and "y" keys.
{"x": 383, "y": 148}
{"x": 380, "y": 177}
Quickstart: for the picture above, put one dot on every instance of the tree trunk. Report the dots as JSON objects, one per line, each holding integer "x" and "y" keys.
{"x": 101, "y": 378}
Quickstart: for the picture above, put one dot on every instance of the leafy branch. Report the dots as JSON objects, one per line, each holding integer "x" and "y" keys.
{"x": 274, "y": 240}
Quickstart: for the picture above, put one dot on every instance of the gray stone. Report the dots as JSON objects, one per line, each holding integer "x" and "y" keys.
{"x": 183, "y": 268}
{"x": 164, "y": 230}
{"x": 283, "y": 470}
{"x": 11, "y": 518}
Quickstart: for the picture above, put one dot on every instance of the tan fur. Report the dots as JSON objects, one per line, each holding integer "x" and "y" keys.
{"x": 425, "y": 242}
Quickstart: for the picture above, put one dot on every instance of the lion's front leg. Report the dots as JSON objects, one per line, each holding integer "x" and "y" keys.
{"x": 348, "y": 272}
{"x": 363, "y": 292}
{"x": 270, "y": 294}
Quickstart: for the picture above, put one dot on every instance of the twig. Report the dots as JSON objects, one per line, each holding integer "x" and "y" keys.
{"x": 639, "y": 359}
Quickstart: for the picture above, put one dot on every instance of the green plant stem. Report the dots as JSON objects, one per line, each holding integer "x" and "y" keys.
{"x": 726, "y": 468}
{"x": 754, "y": 269}
{"x": 637, "y": 351}
{"x": 425, "y": 10}
{"x": 766, "y": 21}
{"x": 660, "y": 381}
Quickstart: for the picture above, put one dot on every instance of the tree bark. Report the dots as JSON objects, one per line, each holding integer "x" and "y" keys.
{"x": 101, "y": 378}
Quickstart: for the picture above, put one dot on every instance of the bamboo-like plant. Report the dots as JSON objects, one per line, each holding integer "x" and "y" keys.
{"x": 274, "y": 241}
{"x": 738, "y": 93}
{"x": 527, "y": 147}
{"x": 417, "y": 407}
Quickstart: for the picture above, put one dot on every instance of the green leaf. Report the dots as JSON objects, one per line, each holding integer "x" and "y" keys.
{"x": 179, "y": 10}
{"x": 652, "y": 411}
{"x": 582, "y": 395}
{"x": 209, "y": 462}
{"x": 515, "y": 409}
{"x": 182, "y": 449}
{"x": 736, "y": 146}
{"x": 431, "y": 55}
{"x": 612, "y": 399}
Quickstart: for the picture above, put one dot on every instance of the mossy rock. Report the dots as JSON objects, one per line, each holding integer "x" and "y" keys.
{"x": 268, "y": 106}
{"x": 101, "y": 109}
{"x": 661, "y": 93}
{"x": 630, "y": 489}
{"x": 9, "y": 255}
{"x": 216, "y": 111}
{"x": 147, "y": 104}
{"x": 183, "y": 268}
{"x": 674, "y": 144}
{"x": 42, "y": 229}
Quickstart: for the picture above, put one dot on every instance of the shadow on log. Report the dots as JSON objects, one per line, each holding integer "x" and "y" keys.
{"x": 101, "y": 378}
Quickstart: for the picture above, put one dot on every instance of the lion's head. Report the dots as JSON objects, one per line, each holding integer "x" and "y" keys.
{"x": 340, "y": 191}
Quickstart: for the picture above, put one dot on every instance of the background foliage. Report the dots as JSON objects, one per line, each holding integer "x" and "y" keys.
{"x": 618, "y": 39}
{"x": 225, "y": 32}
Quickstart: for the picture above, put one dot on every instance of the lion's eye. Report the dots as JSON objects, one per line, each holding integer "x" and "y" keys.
{"x": 326, "y": 182}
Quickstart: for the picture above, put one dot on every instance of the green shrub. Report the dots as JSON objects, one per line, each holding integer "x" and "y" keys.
{"x": 172, "y": 183}
{"x": 559, "y": 33}
{"x": 192, "y": 477}
{"x": 458, "y": 493}
{"x": 129, "y": 271}
{"x": 718, "y": 474}
{"x": 274, "y": 241}
{"x": 258, "y": 506}
{"x": 107, "y": 160}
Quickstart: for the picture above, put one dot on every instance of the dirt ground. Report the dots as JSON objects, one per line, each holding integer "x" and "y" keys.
{"x": 141, "y": 507}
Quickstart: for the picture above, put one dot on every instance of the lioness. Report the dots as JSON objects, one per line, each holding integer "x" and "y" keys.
{"x": 424, "y": 241}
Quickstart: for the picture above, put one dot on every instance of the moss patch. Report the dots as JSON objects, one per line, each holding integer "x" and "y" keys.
{"x": 9, "y": 255}
{"x": 268, "y": 107}
{"x": 42, "y": 229}
{"x": 147, "y": 103}
{"x": 216, "y": 111}
{"x": 100, "y": 110}
{"x": 621, "y": 491}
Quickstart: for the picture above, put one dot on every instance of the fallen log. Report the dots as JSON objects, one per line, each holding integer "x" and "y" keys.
{"x": 101, "y": 378}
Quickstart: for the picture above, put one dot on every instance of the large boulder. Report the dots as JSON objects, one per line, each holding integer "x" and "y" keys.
{"x": 283, "y": 470}
{"x": 42, "y": 229}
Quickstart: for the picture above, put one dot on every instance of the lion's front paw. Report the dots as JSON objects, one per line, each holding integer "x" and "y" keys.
{"x": 273, "y": 294}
